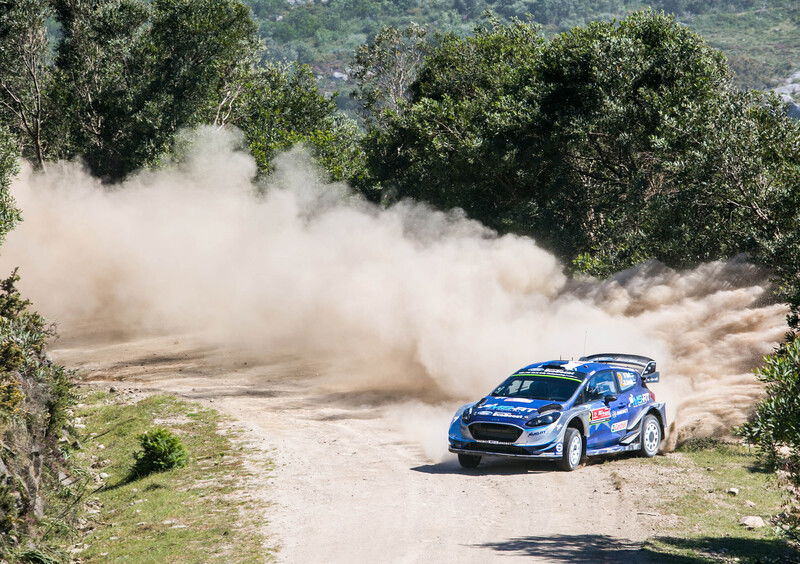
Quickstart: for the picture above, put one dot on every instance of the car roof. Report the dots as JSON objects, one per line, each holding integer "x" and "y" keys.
{"x": 573, "y": 368}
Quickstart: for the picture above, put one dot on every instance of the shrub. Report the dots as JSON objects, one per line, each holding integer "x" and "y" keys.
{"x": 775, "y": 427}
{"x": 161, "y": 450}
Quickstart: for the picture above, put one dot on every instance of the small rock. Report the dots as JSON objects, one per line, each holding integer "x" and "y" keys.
{"x": 101, "y": 447}
{"x": 749, "y": 503}
{"x": 752, "y": 522}
{"x": 104, "y": 475}
{"x": 709, "y": 468}
{"x": 733, "y": 491}
{"x": 112, "y": 390}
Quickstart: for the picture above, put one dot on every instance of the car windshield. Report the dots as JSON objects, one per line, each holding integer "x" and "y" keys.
{"x": 538, "y": 386}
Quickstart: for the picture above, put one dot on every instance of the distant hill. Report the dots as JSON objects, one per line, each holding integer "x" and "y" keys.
{"x": 761, "y": 38}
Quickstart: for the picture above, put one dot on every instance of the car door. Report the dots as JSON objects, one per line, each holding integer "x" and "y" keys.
{"x": 597, "y": 389}
{"x": 620, "y": 409}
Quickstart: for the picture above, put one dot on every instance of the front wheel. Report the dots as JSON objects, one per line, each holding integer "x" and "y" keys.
{"x": 651, "y": 436}
{"x": 572, "y": 451}
{"x": 469, "y": 460}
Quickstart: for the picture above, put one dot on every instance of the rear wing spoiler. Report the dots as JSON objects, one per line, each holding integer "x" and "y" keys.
{"x": 646, "y": 366}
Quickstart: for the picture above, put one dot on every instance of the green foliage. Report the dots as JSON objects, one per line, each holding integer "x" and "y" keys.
{"x": 775, "y": 427}
{"x": 161, "y": 450}
{"x": 611, "y": 144}
{"x": 35, "y": 401}
{"x": 132, "y": 73}
{"x": 9, "y": 215}
{"x": 123, "y": 77}
{"x": 462, "y": 138}
{"x": 776, "y": 422}
{"x": 280, "y": 106}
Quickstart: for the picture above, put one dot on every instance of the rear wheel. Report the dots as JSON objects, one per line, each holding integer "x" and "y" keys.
{"x": 572, "y": 451}
{"x": 469, "y": 460}
{"x": 650, "y": 436}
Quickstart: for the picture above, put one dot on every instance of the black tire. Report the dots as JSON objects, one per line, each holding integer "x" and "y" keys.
{"x": 469, "y": 460}
{"x": 572, "y": 451}
{"x": 650, "y": 436}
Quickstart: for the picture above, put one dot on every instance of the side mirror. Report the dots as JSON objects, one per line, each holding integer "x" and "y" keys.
{"x": 609, "y": 398}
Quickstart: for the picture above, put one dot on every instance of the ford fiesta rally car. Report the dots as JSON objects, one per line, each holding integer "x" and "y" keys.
{"x": 564, "y": 410}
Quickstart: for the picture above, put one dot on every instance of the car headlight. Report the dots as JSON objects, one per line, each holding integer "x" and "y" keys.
{"x": 467, "y": 415}
{"x": 548, "y": 419}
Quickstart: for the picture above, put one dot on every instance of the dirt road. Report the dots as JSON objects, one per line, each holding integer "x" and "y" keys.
{"x": 358, "y": 480}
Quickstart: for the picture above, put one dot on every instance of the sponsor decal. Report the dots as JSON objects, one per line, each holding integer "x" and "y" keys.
{"x": 536, "y": 433}
{"x": 619, "y": 426}
{"x": 600, "y": 414}
{"x": 520, "y": 400}
{"x": 622, "y": 411}
{"x": 559, "y": 448}
{"x": 484, "y": 413}
{"x": 514, "y": 408}
{"x": 509, "y": 415}
{"x": 636, "y": 401}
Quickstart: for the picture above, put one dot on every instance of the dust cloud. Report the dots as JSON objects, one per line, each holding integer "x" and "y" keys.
{"x": 405, "y": 300}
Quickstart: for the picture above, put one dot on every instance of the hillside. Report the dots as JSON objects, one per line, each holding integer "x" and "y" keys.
{"x": 760, "y": 39}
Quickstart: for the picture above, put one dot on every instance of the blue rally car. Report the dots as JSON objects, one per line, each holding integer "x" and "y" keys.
{"x": 564, "y": 411}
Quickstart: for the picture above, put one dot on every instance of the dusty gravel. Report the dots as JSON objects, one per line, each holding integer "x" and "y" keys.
{"x": 354, "y": 481}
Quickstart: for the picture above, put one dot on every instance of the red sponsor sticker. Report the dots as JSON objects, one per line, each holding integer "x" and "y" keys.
{"x": 602, "y": 413}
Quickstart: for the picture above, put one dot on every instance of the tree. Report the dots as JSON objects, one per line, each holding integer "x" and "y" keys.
{"x": 611, "y": 143}
{"x": 280, "y": 106}
{"x": 623, "y": 105}
{"x": 25, "y": 73}
{"x": 133, "y": 73}
{"x": 386, "y": 67}
{"x": 127, "y": 75}
{"x": 460, "y": 139}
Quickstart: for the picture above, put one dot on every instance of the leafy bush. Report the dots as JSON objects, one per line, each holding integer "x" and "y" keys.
{"x": 161, "y": 450}
{"x": 775, "y": 427}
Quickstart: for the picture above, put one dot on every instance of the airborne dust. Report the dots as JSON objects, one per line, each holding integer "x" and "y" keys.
{"x": 424, "y": 304}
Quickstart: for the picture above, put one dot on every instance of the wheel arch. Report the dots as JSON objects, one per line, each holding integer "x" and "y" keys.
{"x": 657, "y": 414}
{"x": 578, "y": 423}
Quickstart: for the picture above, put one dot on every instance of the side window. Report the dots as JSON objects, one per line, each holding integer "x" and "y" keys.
{"x": 600, "y": 386}
{"x": 626, "y": 380}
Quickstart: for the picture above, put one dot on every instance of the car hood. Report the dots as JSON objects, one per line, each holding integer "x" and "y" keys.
{"x": 511, "y": 410}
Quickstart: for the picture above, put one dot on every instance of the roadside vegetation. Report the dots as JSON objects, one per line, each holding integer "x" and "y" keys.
{"x": 775, "y": 431}
{"x": 731, "y": 485}
{"x": 196, "y": 511}
{"x": 714, "y": 487}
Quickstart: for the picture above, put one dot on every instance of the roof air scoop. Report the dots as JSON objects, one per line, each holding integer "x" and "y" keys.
{"x": 556, "y": 364}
